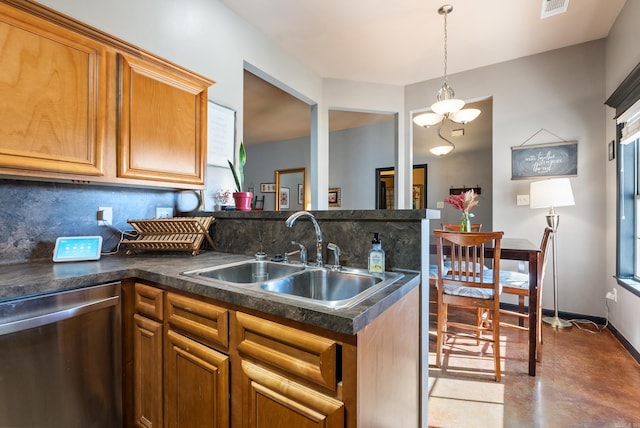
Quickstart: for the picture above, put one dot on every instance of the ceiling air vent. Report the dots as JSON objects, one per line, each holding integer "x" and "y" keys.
{"x": 553, "y": 7}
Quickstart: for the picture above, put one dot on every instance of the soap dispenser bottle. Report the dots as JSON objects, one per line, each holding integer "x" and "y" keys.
{"x": 376, "y": 255}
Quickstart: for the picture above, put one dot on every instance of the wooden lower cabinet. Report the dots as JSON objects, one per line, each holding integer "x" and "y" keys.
{"x": 147, "y": 352}
{"x": 207, "y": 364}
{"x": 272, "y": 400}
{"x": 178, "y": 382}
{"x": 197, "y": 384}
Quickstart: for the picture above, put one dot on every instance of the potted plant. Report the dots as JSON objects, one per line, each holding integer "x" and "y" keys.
{"x": 241, "y": 198}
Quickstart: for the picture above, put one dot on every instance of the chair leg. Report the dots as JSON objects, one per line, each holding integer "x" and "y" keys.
{"x": 496, "y": 343}
{"x": 441, "y": 330}
{"x": 479, "y": 323}
{"x": 521, "y": 310}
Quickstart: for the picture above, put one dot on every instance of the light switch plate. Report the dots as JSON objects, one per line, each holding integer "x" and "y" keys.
{"x": 522, "y": 200}
{"x": 439, "y": 204}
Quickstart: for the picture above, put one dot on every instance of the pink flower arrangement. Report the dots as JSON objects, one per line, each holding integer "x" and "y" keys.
{"x": 463, "y": 202}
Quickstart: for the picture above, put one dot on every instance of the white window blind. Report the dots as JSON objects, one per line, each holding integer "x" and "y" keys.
{"x": 631, "y": 120}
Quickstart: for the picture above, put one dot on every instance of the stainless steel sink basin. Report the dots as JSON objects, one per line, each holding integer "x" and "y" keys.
{"x": 252, "y": 271}
{"x": 322, "y": 284}
{"x": 319, "y": 286}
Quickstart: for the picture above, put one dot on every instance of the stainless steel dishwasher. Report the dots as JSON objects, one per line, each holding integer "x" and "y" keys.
{"x": 60, "y": 359}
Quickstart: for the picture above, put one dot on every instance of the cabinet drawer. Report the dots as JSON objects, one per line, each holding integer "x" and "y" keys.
{"x": 201, "y": 321}
{"x": 303, "y": 354}
{"x": 148, "y": 301}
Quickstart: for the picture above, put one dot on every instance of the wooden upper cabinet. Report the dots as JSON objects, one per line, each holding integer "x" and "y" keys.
{"x": 162, "y": 115}
{"x": 52, "y": 97}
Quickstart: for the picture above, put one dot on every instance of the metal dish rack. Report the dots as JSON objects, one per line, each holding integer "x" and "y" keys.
{"x": 170, "y": 234}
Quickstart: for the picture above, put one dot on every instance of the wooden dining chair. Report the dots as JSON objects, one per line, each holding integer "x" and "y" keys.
{"x": 468, "y": 286}
{"x": 433, "y": 280}
{"x": 517, "y": 283}
{"x": 453, "y": 227}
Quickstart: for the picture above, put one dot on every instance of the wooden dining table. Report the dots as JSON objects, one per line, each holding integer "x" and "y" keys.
{"x": 523, "y": 250}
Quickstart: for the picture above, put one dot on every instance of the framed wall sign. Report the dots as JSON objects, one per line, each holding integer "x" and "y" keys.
{"x": 335, "y": 197}
{"x": 544, "y": 160}
{"x": 221, "y": 134}
{"x": 612, "y": 150}
{"x": 284, "y": 198}
{"x": 267, "y": 187}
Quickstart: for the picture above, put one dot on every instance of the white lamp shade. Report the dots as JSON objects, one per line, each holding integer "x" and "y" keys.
{"x": 427, "y": 119}
{"x": 442, "y": 150}
{"x": 447, "y": 106}
{"x": 464, "y": 116}
{"x": 554, "y": 192}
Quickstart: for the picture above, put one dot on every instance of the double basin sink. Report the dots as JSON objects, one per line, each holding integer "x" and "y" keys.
{"x": 318, "y": 285}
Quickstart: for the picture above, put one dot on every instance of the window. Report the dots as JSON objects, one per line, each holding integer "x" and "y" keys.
{"x": 625, "y": 99}
{"x": 628, "y": 199}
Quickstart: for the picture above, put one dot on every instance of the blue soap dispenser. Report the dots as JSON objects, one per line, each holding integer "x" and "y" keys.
{"x": 376, "y": 255}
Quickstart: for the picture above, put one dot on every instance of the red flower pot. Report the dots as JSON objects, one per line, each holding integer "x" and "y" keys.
{"x": 243, "y": 200}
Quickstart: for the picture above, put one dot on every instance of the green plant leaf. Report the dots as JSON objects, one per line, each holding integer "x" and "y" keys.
{"x": 242, "y": 158}
{"x": 235, "y": 177}
{"x": 238, "y": 174}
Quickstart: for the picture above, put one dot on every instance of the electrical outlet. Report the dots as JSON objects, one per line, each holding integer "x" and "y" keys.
{"x": 105, "y": 216}
{"x": 522, "y": 200}
{"x": 440, "y": 204}
{"x": 164, "y": 212}
{"x": 613, "y": 294}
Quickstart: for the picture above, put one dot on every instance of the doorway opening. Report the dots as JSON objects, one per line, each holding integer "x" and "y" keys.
{"x": 385, "y": 187}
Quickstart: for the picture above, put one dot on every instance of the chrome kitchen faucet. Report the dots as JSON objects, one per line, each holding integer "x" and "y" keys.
{"x": 292, "y": 220}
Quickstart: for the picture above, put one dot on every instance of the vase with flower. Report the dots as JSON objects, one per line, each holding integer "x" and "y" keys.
{"x": 242, "y": 199}
{"x": 464, "y": 202}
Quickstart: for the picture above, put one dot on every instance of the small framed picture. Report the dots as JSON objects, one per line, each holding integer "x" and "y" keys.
{"x": 268, "y": 187}
{"x": 300, "y": 194}
{"x": 284, "y": 198}
{"x": 335, "y": 197}
{"x": 612, "y": 150}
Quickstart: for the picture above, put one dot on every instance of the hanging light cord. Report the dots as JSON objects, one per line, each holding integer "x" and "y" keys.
{"x": 445, "y": 13}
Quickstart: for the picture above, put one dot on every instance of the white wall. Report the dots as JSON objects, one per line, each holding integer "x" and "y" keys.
{"x": 264, "y": 159}
{"x": 622, "y": 55}
{"x": 561, "y": 91}
{"x": 372, "y": 98}
{"x": 354, "y": 155}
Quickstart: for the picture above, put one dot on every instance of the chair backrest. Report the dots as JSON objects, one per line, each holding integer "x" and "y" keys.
{"x": 454, "y": 227}
{"x": 467, "y": 253}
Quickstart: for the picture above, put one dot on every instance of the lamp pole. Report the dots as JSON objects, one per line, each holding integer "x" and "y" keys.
{"x": 555, "y": 321}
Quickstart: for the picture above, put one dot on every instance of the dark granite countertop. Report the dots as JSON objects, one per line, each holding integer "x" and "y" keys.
{"x": 26, "y": 279}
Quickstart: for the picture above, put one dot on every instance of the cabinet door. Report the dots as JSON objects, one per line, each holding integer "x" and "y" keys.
{"x": 53, "y": 97}
{"x": 147, "y": 355}
{"x": 162, "y": 115}
{"x": 197, "y": 382}
{"x": 270, "y": 400}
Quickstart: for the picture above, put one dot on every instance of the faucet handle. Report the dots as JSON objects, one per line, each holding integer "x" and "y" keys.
{"x": 336, "y": 255}
{"x": 303, "y": 252}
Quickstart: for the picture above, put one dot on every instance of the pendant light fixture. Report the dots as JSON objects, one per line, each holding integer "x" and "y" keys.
{"x": 447, "y": 105}
{"x": 442, "y": 149}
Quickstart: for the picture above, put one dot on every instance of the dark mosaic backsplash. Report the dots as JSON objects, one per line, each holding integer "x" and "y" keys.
{"x": 33, "y": 214}
{"x": 352, "y": 231}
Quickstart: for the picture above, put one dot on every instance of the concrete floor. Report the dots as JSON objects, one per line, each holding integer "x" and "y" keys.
{"x": 583, "y": 380}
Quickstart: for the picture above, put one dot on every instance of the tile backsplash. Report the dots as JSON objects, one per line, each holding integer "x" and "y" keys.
{"x": 33, "y": 214}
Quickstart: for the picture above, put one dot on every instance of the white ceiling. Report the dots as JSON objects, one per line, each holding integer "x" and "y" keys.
{"x": 401, "y": 41}
{"x": 398, "y": 42}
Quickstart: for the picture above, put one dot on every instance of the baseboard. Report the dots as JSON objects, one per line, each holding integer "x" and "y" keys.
{"x": 625, "y": 343}
{"x": 598, "y": 320}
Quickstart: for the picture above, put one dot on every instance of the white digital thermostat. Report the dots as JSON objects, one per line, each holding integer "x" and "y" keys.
{"x": 77, "y": 248}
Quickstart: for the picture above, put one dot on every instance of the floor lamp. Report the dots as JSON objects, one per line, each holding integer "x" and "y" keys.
{"x": 555, "y": 192}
